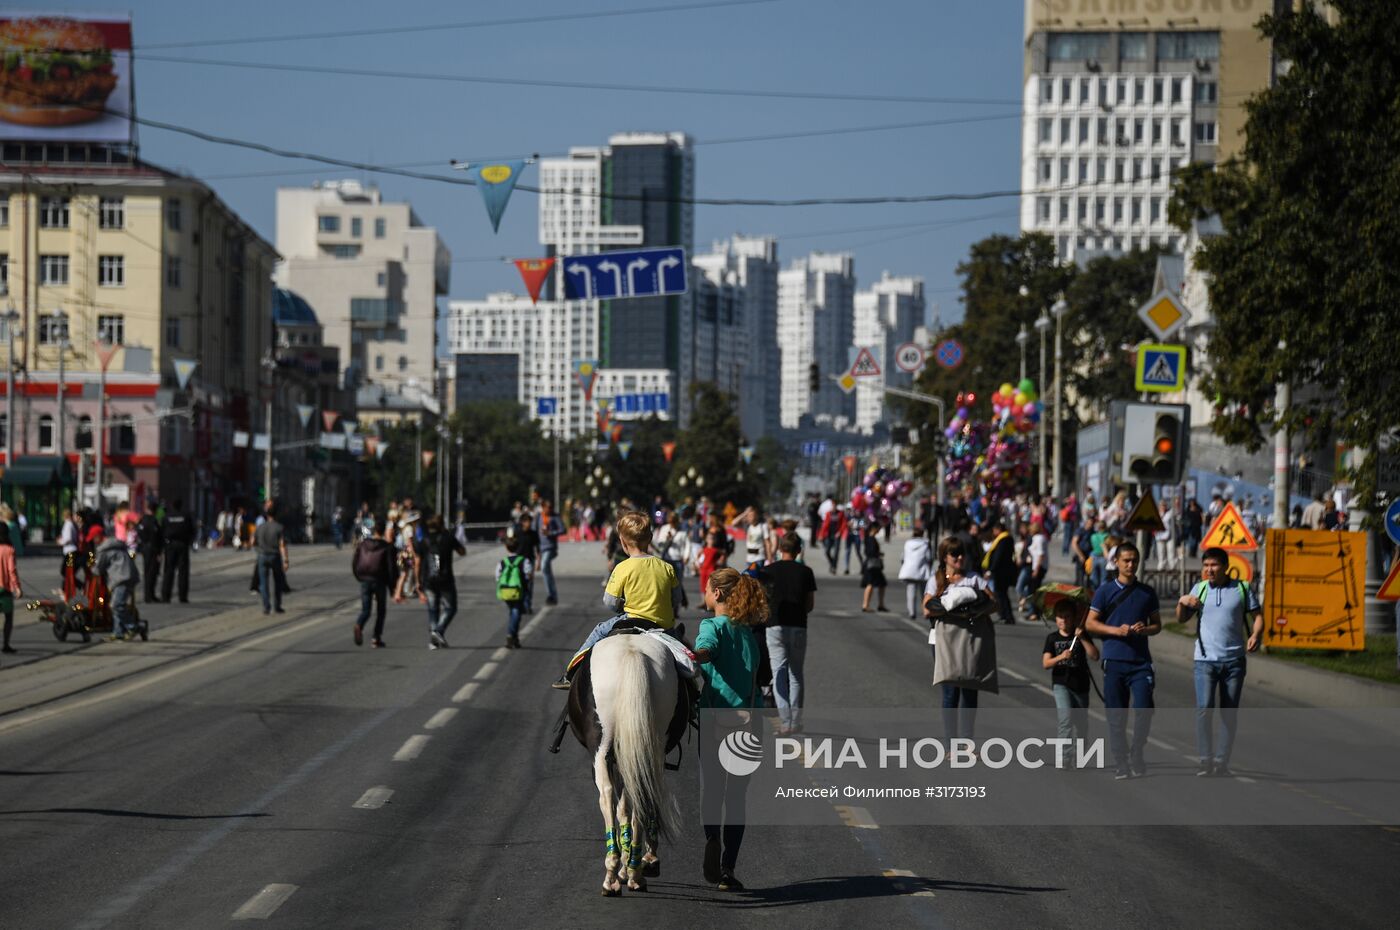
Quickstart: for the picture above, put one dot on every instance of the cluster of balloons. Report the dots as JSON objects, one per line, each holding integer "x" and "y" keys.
{"x": 879, "y": 495}
{"x": 994, "y": 454}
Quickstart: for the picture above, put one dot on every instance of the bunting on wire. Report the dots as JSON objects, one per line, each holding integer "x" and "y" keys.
{"x": 184, "y": 367}
{"x": 379, "y": 449}
{"x": 747, "y": 453}
{"x": 304, "y": 412}
{"x": 534, "y": 272}
{"x": 428, "y": 455}
{"x": 496, "y": 181}
{"x": 586, "y": 370}
{"x": 624, "y": 449}
{"x": 328, "y": 417}
{"x": 668, "y": 449}
{"x": 617, "y": 432}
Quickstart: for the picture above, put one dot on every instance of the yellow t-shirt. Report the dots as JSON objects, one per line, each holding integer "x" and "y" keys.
{"x": 645, "y": 584}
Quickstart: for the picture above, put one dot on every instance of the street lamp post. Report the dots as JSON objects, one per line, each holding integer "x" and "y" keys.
{"x": 1042, "y": 325}
{"x": 1022, "y": 337}
{"x": 61, "y": 320}
{"x": 270, "y": 366}
{"x": 11, "y": 317}
{"x": 1058, "y": 311}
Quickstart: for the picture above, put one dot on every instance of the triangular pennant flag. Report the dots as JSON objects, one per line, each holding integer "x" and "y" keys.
{"x": 348, "y": 426}
{"x": 184, "y": 367}
{"x": 380, "y": 449}
{"x": 747, "y": 453}
{"x": 603, "y": 404}
{"x": 105, "y": 351}
{"x": 617, "y": 432}
{"x": 328, "y": 417}
{"x": 428, "y": 455}
{"x": 534, "y": 272}
{"x": 496, "y": 181}
{"x": 624, "y": 449}
{"x": 304, "y": 412}
{"x": 850, "y": 462}
{"x": 668, "y": 449}
{"x": 586, "y": 370}
{"x": 371, "y": 445}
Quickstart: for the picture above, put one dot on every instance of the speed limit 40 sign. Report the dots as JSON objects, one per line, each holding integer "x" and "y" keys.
{"x": 909, "y": 357}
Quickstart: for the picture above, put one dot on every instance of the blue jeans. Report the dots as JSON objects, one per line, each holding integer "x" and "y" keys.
{"x": 513, "y": 617}
{"x": 119, "y": 598}
{"x": 787, "y": 653}
{"x": 1123, "y": 681}
{"x": 599, "y": 631}
{"x": 267, "y": 581}
{"x": 1023, "y": 583}
{"x": 372, "y": 593}
{"x": 1069, "y": 528}
{"x": 959, "y": 709}
{"x": 1226, "y": 680}
{"x": 547, "y": 558}
{"x": 679, "y": 568}
{"x": 1071, "y": 713}
{"x": 442, "y": 607}
{"x": 338, "y": 534}
{"x": 852, "y": 545}
{"x": 1096, "y": 573}
{"x": 832, "y": 545}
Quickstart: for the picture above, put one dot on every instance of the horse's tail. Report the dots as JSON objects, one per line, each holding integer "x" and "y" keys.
{"x": 639, "y": 744}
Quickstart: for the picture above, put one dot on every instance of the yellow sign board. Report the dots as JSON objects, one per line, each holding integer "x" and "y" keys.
{"x": 1163, "y": 314}
{"x": 1229, "y": 532}
{"x": 1145, "y": 515}
{"x": 847, "y": 382}
{"x": 1316, "y": 596}
{"x": 1240, "y": 568}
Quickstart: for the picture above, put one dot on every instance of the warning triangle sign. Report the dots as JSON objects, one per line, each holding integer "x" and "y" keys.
{"x": 1390, "y": 588}
{"x": 1145, "y": 515}
{"x": 1229, "y": 532}
{"x": 865, "y": 365}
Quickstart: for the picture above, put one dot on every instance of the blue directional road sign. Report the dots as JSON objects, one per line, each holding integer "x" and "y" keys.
{"x": 1392, "y": 521}
{"x": 817, "y": 447}
{"x": 613, "y": 275}
{"x": 546, "y": 406}
{"x": 641, "y": 403}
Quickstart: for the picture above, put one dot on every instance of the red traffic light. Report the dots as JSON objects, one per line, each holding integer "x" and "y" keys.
{"x": 1164, "y": 445}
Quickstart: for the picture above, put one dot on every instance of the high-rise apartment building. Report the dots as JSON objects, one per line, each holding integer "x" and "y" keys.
{"x": 373, "y": 272}
{"x": 887, "y": 315}
{"x": 815, "y": 325}
{"x": 1120, "y": 95}
{"x": 713, "y": 345}
{"x": 751, "y": 262}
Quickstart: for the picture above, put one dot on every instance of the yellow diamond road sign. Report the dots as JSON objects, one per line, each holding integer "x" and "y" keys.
{"x": 847, "y": 382}
{"x": 1163, "y": 314}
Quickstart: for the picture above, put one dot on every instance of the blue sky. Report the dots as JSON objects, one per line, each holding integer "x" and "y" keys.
{"x": 952, "y": 48}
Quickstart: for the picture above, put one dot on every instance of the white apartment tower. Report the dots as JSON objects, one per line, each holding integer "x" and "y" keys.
{"x": 751, "y": 262}
{"x": 815, "y": 325}
{"x": 887, "y": 315}
{"x": 373, "y": 272}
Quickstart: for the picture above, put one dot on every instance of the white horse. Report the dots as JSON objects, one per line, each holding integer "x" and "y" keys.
{"x": 634, "y": 693}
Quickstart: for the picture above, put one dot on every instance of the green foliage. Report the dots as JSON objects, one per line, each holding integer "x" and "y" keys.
{"x": 644, "y": 474}
{"x": 1304, "y": 278}
{"x": 711, "y": 447}
{"x": 1102, "y": 329}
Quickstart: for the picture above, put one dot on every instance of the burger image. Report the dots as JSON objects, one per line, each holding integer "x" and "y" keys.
{"x": 53, "y": 71}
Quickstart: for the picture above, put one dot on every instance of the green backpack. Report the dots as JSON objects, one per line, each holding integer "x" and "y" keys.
{"x": 511, "y": 585}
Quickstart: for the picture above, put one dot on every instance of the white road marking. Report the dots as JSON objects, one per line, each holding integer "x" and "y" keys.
{"x": 374, "y": 799}
{"x": 411, "y": 748}
{"x": 465, "y": 692}
{"x": 440, "y": 719}
{"x": 500, "y": 654}
{"x": 1014, "y": 674}
{"x": 1161, "y": 744}
{"x": 261, "y": 905}
{"x": 856, "y": 817}
{"x": 540, "y": 615}
{"x": 1246, "y": 779}
{"x": 897, "y": 877}
{"x": 486, "y": 671}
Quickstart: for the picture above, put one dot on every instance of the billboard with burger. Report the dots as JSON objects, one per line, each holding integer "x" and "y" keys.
{"x": 65, "y": 78}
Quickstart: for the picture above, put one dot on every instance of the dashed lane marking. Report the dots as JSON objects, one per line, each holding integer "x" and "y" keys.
{"x": 486, "y": 671}
{"x": 262, "y": 905}
{"x": 440, "y": 719}
{"x": 535, "y": 620}
{"x": 374, "y": 798}
{"x": 856, "y": 817}
{"x": 1014, "y": 674}
{"x": 500, "y": 653}
{"x": 411, "y": 748}
{"x": 465, "y": 692}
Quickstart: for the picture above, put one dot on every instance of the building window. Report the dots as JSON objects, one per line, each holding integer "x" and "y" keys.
{"x": 1137, "y": 169}
{"x": 1064, "y": 209}
{"x": 357, "y": 227}
{"x": 380, "y": 278}
{"x": 173, "y": 214}
{"x": 46, "y": 433}
{"x": 1069, "y": 46}
{"x": 1157, "y": 172}
{"x": 1205, "y": 92}
{"x": 111, "y": 271}
{"x": 172, "y": 270}
{"x": 328, "y": 224}
{"x": 1064, "y": 170}
{"x": 1157, "y": 131}
{"x": 1139, "y": 131}
{"x": 1188, "y": 46}
{"x": 1132, "y": 46}
{"x": 4, "y": 272}
{"x": 1066, "y": 130}
{"x": 172, "y": 332}
{"x": 1083, "y": 210}
{"x": 1158, "y": 90}
{"x": 1117, "y": 209}
{"x": 1047, "y": 131}
{"x": 111, "y": 212}
{"x": 53, "y": 212}
{"x": 53, "y": 270}
{"x": 1101, "y": 175}
{"x": 1083, "y": 171}
{"x": 403, "y": 363}
{"x": 1100, "y": 208}
{"x": 1178, "y": 132}
{"x": 51, "y": 330}
{"x": 82, "y": 436}
{"x": 1084, "y": 90}
{"x": 1137, "y": 209}
{"x": 1178, "y": 89}
{"x": 1154, "y": 214}
{"x": 123, "y": 436}
{"x": 1103, "y": 130}
{"x": 379, "y": 228}
{"x": 1120, "y": 170}
{"x": 1122, "y": 91}
{"x": 1042, "y": 209}
{"x": 4, "y": 209}
{"x": 111, "y": 329}
{"x": 1047, "y": 90}
{"x": 379, "y": 363}
{"x": 1083, "y": 130}
{"x": 1205, "y": 133}
{"x": 1139, "y": 90}
{"x": 1066, "y": 91}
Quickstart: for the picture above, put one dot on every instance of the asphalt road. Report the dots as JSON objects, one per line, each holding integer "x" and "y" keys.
{"x": 237, "y": 767}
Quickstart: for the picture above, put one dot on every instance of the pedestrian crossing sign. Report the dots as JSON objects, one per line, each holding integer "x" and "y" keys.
{"x": 1230, "y": 532}
{"x": 1160, "y": 368}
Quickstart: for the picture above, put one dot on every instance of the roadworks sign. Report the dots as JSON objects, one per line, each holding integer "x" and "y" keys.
{"x": 1229, "y": 532}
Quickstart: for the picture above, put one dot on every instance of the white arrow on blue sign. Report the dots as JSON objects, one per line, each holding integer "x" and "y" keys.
{"x": 1392, "y": 521}
{"x": 816, "y": 447}
{"x": 613, "y": 275}
{"x": 546, "y": 406}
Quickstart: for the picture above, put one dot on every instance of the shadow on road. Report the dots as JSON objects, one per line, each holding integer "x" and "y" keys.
{"x": 145, "y": 815}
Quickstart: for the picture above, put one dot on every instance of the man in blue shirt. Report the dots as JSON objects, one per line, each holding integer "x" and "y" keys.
{"x": 1123, "y": 614}
{"x": 1225, "y": 608}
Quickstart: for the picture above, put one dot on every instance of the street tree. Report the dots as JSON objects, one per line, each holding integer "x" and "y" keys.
{"x": 710, "y": 445}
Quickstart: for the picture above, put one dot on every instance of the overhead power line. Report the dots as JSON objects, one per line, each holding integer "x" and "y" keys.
{"x": 574, "y": 85}
{"x": 470, "y": 24}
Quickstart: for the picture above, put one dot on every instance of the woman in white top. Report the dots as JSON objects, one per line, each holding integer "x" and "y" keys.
{"x": 953, "y": 572}
{"x": 672, "y": 544}
{"x": 915, "y": 568}
{"x": 758, "y": 537}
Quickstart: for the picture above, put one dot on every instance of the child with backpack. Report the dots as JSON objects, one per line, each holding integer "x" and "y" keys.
{"x": 512, "y": 575}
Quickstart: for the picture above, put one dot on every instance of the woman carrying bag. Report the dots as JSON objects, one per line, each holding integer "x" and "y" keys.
{"x": 959, "y": 606}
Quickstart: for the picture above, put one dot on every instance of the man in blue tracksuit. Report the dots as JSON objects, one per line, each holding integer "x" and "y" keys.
{"x": 1123, "y": 614}
{"x": 1231, "y": 625}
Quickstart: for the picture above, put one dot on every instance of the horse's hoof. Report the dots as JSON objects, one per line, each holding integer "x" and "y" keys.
{"x": 612, "y": 892}
{"x": 642, "y": 886}
{"x": 652, "y": 869}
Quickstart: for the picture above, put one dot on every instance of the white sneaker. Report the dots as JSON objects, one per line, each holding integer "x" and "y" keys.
{"x": 437, "y": 640}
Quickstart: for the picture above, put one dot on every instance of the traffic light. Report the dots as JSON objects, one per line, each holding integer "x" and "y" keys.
{"x": 814, "y": 377}
{"x": 1155, "y": 440}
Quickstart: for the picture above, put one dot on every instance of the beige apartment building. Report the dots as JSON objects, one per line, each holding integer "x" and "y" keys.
{"x": 98, "y": 247}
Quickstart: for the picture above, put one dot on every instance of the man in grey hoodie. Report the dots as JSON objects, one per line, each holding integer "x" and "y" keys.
{"x": 118, "y": 569}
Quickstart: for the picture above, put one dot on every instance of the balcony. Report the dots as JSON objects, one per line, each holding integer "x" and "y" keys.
{"x": 375, "y": 313}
